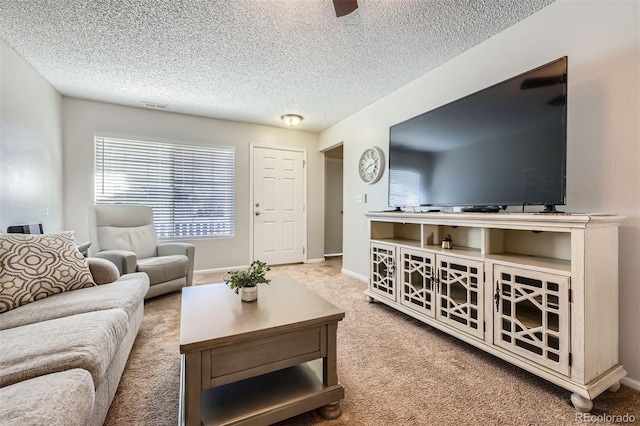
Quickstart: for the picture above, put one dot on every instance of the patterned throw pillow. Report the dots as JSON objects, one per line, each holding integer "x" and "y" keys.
{"x": 36, "y": 266}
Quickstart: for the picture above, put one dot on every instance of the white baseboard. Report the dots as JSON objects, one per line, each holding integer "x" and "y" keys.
{"x": 354, "y": 275}
{"x": 226, "y": 268}
{"x": 635, "y": 384}
{"x": 332, "y": 254}
{"x": 235, "y": 268}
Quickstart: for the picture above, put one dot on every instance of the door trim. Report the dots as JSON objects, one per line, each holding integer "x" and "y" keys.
{"x": 305, "y": 167}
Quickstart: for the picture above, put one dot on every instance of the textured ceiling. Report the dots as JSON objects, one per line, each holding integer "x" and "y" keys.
{"x": 247, "y": 60}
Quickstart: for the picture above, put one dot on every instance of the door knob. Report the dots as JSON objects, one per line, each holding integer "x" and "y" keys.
{"x": 257, "y": 213}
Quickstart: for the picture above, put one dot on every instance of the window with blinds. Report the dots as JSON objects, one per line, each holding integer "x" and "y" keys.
{"x": 190, "y": 188}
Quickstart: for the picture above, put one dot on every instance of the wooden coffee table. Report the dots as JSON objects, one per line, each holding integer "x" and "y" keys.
{"x": 258, "y": 362}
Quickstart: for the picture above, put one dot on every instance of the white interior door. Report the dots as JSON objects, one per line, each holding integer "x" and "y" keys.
{"x": 278, "y": 205}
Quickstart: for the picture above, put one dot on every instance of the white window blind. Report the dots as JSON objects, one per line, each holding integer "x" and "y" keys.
{"x": 404, "y": 187}
{"x": 190, "y": 188}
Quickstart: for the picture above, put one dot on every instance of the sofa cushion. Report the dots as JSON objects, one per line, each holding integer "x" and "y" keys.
{"x": 33, "y": 267}
{"x": 125, "y": 293}
{"x": 164, "y": 268}
{"x": 88, "y": 341}
{"x": 59, "y": 399}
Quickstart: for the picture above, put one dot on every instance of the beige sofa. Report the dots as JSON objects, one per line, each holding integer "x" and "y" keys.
{"x": 62, "y": 357}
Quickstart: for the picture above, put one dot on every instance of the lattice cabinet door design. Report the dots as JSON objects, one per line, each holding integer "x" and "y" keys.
{"x": 383, "y": 270}
{"x": 532, "y": 316}
{"x": 417, "y": 281}
{"x": 460, "y": 294}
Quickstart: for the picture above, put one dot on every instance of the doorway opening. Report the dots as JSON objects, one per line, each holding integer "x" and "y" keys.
{"x": 333, "y": 201}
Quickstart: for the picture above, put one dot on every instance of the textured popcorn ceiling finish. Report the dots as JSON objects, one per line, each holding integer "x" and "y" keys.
{"x": 247, "y": 60}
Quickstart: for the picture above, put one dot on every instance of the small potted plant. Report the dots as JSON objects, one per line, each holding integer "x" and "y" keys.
{"x": 245, "y": 281}
{"x": 447, "y": 242}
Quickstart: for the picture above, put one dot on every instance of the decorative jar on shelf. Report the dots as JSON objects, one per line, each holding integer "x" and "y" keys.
{"x": 447, "y": 242}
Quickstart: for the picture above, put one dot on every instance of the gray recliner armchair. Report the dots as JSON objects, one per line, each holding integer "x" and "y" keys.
{"x": 124, "y": 235}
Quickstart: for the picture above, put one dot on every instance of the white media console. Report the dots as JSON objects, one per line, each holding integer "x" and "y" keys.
{"x": 537, "y": 290}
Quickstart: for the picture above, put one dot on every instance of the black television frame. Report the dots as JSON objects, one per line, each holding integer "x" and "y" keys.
{"x": 494, "y": 205}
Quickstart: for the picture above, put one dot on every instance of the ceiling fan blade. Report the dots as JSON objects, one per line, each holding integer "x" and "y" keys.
{"x": 344, "y": 7}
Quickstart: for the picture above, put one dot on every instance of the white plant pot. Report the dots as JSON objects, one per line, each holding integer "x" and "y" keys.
{"x": 249, "y": 294}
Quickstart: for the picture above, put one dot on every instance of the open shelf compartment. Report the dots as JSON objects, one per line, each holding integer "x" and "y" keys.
{"x": 397, "y": 232}
{"x": 542, "y": 249}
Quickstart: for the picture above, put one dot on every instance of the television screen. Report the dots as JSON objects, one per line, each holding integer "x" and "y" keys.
{"x": 502, "y": 146}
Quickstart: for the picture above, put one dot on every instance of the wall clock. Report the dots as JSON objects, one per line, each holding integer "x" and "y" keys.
{"x": 371, "y": 165}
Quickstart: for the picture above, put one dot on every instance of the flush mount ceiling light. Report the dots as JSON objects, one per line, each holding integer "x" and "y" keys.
{"x": 154, "y": 105}
{"x": 291, "y": 119}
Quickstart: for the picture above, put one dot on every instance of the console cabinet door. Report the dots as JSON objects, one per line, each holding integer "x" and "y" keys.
{"x": 531, "y": 316}
{"x": 383, "y": 270}
{"x": 460, "y": 285}
{"x": 417, "y": 281}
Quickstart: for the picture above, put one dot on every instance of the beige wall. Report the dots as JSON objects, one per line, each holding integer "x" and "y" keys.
{"x": 83, "y": 119}
{"x": 602, "y": 41}
{"x": 30, "y": 146}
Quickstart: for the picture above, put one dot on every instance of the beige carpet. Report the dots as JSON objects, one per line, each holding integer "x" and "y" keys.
{"x": 395, "y": 370}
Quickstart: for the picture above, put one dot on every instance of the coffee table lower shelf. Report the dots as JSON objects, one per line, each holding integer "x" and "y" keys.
{"x": 268, "y": 398}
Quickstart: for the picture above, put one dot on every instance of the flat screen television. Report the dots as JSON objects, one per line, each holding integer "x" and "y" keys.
{"x": 502, "y": 146}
